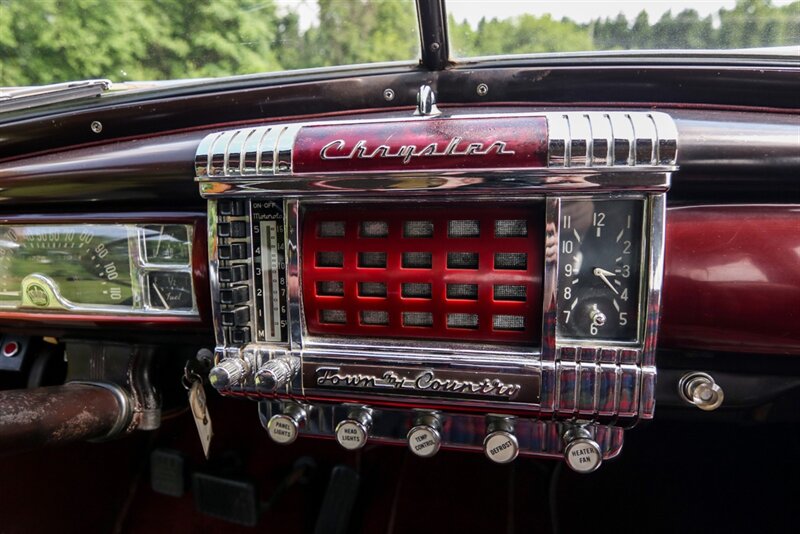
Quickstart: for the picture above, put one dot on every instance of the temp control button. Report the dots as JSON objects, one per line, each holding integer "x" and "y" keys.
{"x": 425, "y": 438}
{"x": 581, "y": 452}
{"x": 353, "y": 432}
{"x": 285, "y": 427}
{"x": 501, "y": 445}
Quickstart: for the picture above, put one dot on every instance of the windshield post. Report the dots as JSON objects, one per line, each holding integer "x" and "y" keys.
{"x": 433, "y": 34}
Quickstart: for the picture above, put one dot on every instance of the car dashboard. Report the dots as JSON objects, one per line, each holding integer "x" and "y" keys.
{"x": 487, "y": 264}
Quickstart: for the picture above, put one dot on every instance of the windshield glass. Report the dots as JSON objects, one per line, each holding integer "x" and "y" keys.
{"x": 51, "y": 41}
{"x": 480, "y": 28}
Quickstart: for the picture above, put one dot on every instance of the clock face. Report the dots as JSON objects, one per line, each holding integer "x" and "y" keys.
{"x": 599, "y": 269}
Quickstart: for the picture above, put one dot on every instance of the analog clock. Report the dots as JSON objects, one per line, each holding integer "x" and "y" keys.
{"x": 599, "y": 269}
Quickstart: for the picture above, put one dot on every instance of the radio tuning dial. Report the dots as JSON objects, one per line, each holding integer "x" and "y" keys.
{"x": 353, "y": 432}
{"x": 228, "y": 373}
{"x": 277, "y": 373}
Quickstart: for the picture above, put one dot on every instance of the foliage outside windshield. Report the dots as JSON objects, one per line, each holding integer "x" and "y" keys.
{"x": 48, "y": 41}
{"x": 479, "y": 28}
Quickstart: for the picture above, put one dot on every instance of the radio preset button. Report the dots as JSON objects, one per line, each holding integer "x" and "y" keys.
{"x": 235, "y": 273}
{"x": 236, "y": 317}
{"x": 230, "y": 207}
{"x": 234, "y": 251}
{"x": 240, "y": 336}
{"x": 232, "y": 229}
{"x": 353, "y": 432}
{"x": 234, "y": 295}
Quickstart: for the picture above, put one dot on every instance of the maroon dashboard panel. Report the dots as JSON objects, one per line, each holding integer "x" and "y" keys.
{"x": 422, "y": 144}
{"x": 732, "y": 279}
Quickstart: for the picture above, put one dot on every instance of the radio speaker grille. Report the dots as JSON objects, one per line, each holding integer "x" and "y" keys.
{"x": 457, "y": 272}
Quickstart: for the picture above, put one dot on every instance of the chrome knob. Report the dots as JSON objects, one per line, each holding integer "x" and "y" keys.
{"x": 425, "y": 438}
{"x": 581, "y": 452}
{"x": 277, "y": 373}
{"x": 701, "y": 390}
{"x": 284, "y": 428}
{"x": 500, "y": 444}
{"x": 353, "y": 432}
{"x": 228, "y": 373}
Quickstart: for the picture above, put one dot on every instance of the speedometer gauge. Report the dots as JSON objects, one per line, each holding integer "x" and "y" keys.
{"x": 599, "y": 269}
{"x": 89, "y": 264}
{"x": 97, "y": 268}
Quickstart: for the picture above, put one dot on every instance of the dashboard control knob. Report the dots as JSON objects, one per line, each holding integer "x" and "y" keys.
{"x": 277, "y": 373}
{"x": 500, "y": 444}
{"x": 284, "y": 427}
{"x": 353, "y": 432}
{"x": 228, "y": 373}
{"x": 425, "y": 438}
{"x": 701, "y": 390}
{"x": 581, "y": 452}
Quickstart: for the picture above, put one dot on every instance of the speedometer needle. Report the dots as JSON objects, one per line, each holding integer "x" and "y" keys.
{"x": 602, "y": 273}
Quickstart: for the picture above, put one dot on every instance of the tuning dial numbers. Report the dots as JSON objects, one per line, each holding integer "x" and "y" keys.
{"x": 599, "y": 269}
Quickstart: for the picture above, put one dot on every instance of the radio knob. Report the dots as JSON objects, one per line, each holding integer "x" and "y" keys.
{"x": 353, "y": 432}
{"x": 284, "y": 428}
{"x": 228, "y": 373}
{"x": 277, "y": 373}
{"x": 582, "y": 453}
{"x": 501, "y": 445}
{"x": 425, "y": 438}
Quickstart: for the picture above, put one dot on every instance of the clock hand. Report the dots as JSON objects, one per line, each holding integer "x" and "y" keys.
{"x": 602, "y": 273}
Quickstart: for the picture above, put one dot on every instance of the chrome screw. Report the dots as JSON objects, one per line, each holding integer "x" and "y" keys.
{"x": 482, "y": 89}
{"x": 96, "y": 126}
{"x": 388, "y": 95}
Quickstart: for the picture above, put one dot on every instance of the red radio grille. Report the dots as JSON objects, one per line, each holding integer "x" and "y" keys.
{"x": 434, "y": 271}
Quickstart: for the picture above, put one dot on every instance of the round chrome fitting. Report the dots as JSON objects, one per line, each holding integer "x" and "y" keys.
{"x": 701, "y": 390}
{"x": 353, "y": 432}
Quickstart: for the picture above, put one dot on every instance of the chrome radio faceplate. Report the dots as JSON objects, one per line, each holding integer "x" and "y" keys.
{"x": 435, "y": 287}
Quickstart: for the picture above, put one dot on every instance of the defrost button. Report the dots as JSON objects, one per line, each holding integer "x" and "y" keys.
{"x": 501, "y": 445}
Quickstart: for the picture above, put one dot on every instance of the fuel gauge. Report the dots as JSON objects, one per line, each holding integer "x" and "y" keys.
{"x": 170, "y": 291}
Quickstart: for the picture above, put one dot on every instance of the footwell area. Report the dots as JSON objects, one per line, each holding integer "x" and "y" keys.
{"x": 671, "y": 477}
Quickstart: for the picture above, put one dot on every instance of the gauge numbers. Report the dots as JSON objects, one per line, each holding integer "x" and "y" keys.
{"x": 599, "y": 269}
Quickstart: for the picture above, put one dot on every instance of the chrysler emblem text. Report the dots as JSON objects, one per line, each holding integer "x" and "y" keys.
{"x": 337, "y": 149}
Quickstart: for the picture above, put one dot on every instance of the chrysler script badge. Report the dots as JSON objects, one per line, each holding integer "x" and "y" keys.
{"x": 338, "y": 149}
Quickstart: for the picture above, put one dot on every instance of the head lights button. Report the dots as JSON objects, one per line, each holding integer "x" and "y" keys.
{"x": 353, "y": 432}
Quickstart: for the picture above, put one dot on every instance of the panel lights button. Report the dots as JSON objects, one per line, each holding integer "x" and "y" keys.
{"x": 285, "y": 427}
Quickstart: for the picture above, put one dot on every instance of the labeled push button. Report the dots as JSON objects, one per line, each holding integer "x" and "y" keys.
{"x": 581, "y": 452}
{"x": 425, "y": 438}
{"x": 501, "y": 445}
{"x": 285, "y": 427}
{"x": 352, "y": 433}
